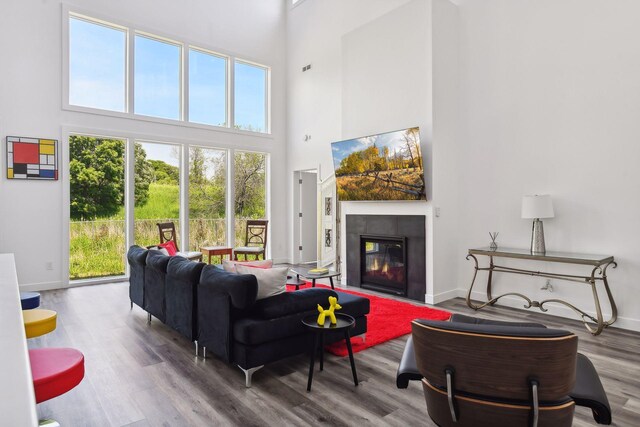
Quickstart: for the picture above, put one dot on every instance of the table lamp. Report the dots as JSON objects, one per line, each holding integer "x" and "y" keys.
{"x": 536, "y": 207}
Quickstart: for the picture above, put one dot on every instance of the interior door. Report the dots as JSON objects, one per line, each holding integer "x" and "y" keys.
{"x": 308, "y": 210}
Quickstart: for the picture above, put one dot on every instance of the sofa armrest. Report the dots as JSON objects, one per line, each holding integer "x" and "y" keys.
{"x": 220, "y": 294}
{"x": 288, "y": 303}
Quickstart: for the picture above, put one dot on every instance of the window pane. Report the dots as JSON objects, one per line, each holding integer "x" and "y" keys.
{"x": 157, "y": 191}
{"x": 250, "y": 97}
{"x": 207, "y": 196}
{"x": 97, "y": 227}
{"x": 207, "y": 88}
{"x": 97, "y": 55}
{"x": 157, "y": 78}
{"x": 250, "y": 190}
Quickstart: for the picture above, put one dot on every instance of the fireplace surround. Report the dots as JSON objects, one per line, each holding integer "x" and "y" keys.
{"x": 397, "y": 240}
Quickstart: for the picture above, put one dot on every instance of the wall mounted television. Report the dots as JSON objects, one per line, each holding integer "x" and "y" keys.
{"x": 387, "y": 166}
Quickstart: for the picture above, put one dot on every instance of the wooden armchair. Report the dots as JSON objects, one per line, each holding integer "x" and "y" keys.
{"x": 255, "y": 241}
{"x": 167, "y": 231}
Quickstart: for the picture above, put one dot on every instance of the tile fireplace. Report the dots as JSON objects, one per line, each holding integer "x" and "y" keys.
{"x": 387, "y": 253}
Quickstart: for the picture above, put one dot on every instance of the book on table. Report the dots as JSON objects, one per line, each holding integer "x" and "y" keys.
{"x": 318, "y": 271}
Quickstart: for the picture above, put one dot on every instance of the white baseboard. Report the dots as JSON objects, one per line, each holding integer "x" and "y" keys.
{"x": 554, "y": 309}
{"x": 441, "y": 297}
{"x": 42, "y": 286}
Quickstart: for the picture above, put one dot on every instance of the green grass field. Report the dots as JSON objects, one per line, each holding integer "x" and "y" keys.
{"x": 97, "y": 247}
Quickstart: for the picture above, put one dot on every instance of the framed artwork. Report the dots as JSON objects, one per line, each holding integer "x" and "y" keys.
{"x": 328, "y": 206}
{"x": 328, "y": 241}
{"x": 32, "y": 158}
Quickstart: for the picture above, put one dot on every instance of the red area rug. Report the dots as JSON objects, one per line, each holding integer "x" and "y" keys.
{"x": 388, "y": 319}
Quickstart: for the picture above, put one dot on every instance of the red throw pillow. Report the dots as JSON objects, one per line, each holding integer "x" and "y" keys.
{"x": 170, "y": 246}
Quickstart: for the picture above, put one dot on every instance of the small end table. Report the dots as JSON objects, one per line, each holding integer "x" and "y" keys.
{"x": 304, "y": 272}
{"x": 344, "y": 323}
{"x": 220, "y": 251}
{"x": 295, "y": 281}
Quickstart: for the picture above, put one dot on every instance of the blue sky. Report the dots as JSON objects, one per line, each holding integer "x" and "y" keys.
{"x": 97, "y": 68}
{"x": 342, "y": 149}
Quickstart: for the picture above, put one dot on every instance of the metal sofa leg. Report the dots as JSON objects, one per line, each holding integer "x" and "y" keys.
{"x": 196, "y": 343}
{"x": 248, "y": 373}
{"x": 149, "y": 318}
{"x": 131, "y": 305}
{"x": 204, "y": 352}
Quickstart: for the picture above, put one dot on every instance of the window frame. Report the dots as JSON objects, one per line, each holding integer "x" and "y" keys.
{"x": 267, "y": 94}
{"x": 130, "y": 32}
{"x": 228, "y": 73}
{"x": 184, "y": 144}
{"x": 181, "y": 77}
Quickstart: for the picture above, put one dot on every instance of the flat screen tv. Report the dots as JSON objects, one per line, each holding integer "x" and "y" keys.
{"x": 387, "y": 166}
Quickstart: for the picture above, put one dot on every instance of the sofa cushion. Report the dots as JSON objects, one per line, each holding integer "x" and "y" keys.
{"x": 255, "y": 330}
{"x": 291, "y": 303}
{"x": 154, "y": 283}
{"x": 170, "y": 246}
{"x": 353, "y": 305}
{"x": 241, "y": 288}
{"x": 271, "y": 281}
{"x": 180, "y": 302}
{"x": 230, "y": 265}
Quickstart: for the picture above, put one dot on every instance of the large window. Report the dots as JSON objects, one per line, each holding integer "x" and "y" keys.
{"x": 101, "y": 219}
{"x": 207, "y": 88}
{"x": 207, "y": 197}
{"x": 250, "y": 185}
{"x": 97, "y": 65}
{"x": 157, "y": 190}
{"x": 97, "y": 216}
{"x": 250, "y": 97}
{"x": 157, "y": 78}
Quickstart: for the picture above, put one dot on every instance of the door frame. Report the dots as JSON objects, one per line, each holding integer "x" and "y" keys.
{"x": 296, "y": 211}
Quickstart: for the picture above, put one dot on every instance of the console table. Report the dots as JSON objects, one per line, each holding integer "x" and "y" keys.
{"x": 597, "y": 263}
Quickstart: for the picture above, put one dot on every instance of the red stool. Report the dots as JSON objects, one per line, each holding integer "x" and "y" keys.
{"x": 55, "y": 371}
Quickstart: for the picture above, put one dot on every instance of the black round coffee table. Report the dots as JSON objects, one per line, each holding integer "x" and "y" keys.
{"x": 344, "y": 323}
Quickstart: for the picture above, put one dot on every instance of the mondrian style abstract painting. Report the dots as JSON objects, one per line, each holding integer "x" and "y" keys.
{"x": 32, "y": 158}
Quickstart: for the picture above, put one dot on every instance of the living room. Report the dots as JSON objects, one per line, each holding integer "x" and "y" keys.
{"x": 511, "y": 98}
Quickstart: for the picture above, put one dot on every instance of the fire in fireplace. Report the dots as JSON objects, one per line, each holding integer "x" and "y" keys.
{"x": 383, "y": 264}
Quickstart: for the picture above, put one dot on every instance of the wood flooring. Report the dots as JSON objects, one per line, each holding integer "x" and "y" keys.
{"x": 147, "y": 375}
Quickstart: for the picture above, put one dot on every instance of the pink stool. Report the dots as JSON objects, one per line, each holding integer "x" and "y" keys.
{"x": 55, "y": 371}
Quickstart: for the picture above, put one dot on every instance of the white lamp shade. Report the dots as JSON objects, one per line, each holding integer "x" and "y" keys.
{"x": 537, "y": 206}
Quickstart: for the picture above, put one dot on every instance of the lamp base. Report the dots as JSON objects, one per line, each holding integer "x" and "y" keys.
{"x": 537, "y": 238}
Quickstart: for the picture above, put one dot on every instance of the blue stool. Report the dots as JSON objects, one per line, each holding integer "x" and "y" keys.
{"x": 30, "y": 300}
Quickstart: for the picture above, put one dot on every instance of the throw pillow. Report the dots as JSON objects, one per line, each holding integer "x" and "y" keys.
{"x": 170, "y": 246}
{"x": 271, "y": 281}
{"x": 230, "y": 266}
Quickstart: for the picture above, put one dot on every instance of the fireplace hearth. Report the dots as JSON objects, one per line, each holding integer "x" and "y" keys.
{"x": 383, "y": 264}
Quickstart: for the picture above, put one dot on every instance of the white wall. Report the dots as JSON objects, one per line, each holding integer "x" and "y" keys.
{"x": 31, "y": 100}
{"x": 550, "y": 104}
{"x": 372, "y": 72}
{"x": 528, "y": 97}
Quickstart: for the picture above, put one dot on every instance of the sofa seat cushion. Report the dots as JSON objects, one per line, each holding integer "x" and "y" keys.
{"x": 291, "y": 303}
{"x": 353, "y": 305}
{"x": 256, "y": 330}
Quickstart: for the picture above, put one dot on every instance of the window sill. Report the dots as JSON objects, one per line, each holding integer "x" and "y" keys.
{"x": 170, "y": 122}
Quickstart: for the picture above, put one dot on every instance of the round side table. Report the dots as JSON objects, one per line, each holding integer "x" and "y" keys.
{"x": 344, "y": 323}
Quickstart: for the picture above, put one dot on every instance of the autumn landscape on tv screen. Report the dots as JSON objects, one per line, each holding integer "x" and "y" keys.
{"x": 387, "y": 166}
